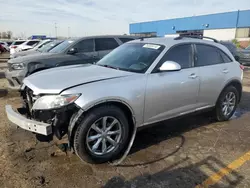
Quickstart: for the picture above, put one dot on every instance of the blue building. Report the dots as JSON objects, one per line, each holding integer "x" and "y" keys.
{"x": 222, "y": 26}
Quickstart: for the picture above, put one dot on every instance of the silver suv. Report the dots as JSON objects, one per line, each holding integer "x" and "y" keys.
{"x": 100, "y": 106}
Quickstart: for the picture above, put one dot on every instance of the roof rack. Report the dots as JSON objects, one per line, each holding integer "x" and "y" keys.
{"x": 196, "y": 37}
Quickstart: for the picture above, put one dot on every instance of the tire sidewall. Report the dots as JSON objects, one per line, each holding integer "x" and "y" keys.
{"x": 219, "y": 114}
{"x": 80, "y": 144}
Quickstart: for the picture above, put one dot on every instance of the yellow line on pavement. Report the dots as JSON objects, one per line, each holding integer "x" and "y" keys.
{"x": 216, "y": 177}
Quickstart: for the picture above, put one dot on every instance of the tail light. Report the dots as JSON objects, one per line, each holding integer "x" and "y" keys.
{"x": 242, "y": 67}
{"x": 13, "y": 46}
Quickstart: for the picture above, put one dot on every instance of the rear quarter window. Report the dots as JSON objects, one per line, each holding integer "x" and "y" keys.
{"x": 207, "y": 55}
{"x": 18, "y": 42}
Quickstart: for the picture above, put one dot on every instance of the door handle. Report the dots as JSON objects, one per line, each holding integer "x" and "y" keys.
{"x": 225, "y": 71}
{"x": 193, "y": 76}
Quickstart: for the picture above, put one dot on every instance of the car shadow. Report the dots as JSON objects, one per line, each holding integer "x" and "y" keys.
{"x": 3, "y": 92}
{"x": 175, "y": 128}
{"x": 182, "y": 177}
{"x": 2, "y": 75}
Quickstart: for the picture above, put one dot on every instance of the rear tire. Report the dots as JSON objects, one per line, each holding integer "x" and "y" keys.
{"x": 93, "y": 142}
{"x": 226, "y": 104}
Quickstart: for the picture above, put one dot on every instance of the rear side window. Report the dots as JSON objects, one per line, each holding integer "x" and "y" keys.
{"x": 85, "y": 45}
{"x": 105, "y": 44}
{"x": 181, "y": 54}
{"x": 207, "y": 55}
{"x": 225, "y": 58}
{"x": 124, "y": 40}
{"x": 18, "y": 42}
{"x": 31, "y": 43}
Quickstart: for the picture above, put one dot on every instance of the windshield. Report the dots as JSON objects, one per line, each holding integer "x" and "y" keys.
{"x": 61, "y": 47}
{"x": 40, "y": 44}
{"x": 248, "y": 48}
{"x": 51, "y": 45}
{"x": 43, "y": 46}
{"x": 133, "y": 57}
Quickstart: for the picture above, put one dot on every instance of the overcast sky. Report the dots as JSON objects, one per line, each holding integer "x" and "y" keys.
{"x": 90, "y": 17}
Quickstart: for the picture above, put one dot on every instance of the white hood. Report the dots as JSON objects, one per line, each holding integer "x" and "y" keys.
{"x": 55, "y": 80}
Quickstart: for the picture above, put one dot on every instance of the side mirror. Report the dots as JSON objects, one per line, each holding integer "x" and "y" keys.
{"x": 73, "y": 51}
{"x": 170, "y": 66}
{"x": 237, "y": 58}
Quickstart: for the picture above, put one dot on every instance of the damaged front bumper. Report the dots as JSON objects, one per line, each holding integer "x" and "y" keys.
{"x": 28, "y": 124}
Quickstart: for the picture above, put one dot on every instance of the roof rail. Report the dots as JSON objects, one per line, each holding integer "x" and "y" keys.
{"x": 195, "y": 37}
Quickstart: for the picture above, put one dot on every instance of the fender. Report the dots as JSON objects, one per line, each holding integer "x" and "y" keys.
{"x": 35, "y": 67}
{"x": 235, "y": 82}
{"x": 76, "y": 118}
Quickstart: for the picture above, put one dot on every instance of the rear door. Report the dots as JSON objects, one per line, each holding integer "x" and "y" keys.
{"x": 213, "y": 69}
{"x": 105, "y": 45}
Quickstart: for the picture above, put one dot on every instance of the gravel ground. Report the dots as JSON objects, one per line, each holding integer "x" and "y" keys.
{"x": 180, "y": 153}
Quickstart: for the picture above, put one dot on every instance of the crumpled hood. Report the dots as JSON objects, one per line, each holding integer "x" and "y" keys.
{"x": 55, "y": 80}
{"x": 32, "y": 57}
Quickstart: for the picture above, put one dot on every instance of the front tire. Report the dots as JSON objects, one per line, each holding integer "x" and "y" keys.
{"x": 102, "y": 134}
{"x": 226, "y": 104}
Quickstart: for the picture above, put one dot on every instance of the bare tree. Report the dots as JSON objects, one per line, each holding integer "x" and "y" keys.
{"x": 9, "y": 34}
{"x": 4, "y": 35}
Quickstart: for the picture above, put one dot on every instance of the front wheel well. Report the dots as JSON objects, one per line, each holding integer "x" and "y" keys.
{"x": 127, "y": 111}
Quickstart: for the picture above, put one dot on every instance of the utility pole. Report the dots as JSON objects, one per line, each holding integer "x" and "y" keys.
{"x": 55, "y": 30}
{"x": 68, "y": 32}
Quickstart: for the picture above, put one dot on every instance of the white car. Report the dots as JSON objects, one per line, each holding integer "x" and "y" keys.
{"x": 29, "y": 44}
{"x": 15, "y": 44}
{"x": 38, "y": 46}
{"x": 5, "y": 45}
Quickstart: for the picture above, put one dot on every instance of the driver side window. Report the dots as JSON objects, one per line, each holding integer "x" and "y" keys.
{"x": 86, "y": 45}
{"x": 182, "y": 54}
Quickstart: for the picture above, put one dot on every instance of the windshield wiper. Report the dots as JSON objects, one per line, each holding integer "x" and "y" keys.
{"x": 108, "y": 66}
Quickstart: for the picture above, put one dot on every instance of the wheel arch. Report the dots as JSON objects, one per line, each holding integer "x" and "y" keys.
{"x": 237, "y": 84}
{"x": 126, "y": 108}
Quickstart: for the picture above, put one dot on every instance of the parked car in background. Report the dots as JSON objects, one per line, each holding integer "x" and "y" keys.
{"x": 35, "y": 50}
{"x": 9, "y": 43}
{"x": 245, "y": 56}
{"x": 5, "y": 45}
{"x": 15, "y": 44}
{"x": 29, "y": 44}
{"x": 2, "y": 49}
{"x": 100, "y": 106}
{"x": 232, "y": 48}
{"x": 71, "y": 51}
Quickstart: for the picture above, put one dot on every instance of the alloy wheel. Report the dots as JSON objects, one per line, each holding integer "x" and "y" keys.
{"x": 104, "y": 135}
{"x": 228, "y": 103}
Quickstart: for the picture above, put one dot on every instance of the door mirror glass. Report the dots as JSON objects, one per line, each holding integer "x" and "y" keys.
{"x": 170, "y": 66}
{"x": 72, "y": 51}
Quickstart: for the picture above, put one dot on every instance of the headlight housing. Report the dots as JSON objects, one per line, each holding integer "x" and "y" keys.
{"x": 17, "y": 66}
{"x": 54, "y": 101}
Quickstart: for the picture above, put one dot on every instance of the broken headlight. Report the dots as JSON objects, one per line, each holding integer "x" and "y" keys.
{"x": 54, "y": 101}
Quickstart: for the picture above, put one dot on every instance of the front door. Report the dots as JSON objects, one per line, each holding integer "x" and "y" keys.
{"x": 170, "y": 94}
{"x": 86, "y": 51}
